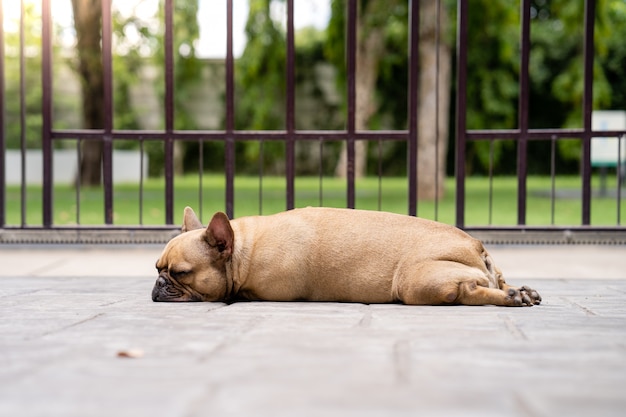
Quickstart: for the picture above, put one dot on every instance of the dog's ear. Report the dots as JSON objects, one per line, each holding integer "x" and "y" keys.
{"x": 219, "y": 234}
{"x": 190, "y": 221}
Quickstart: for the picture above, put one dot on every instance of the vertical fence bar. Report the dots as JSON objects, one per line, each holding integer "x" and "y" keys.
{"x": 200, "y": 175}
{"x": 2, "y": 130}
{"x": 618, "y": 170}
{"x": 522, "y": 141}
{"x": 351, "y": 46}
{"x": 46, "y": 110}
{"x": 230, "y": 113}
{"x": 380, "y": 174}
{"x": 107, "y": 171}
{"x": 321, "y": 174}
{"x": 169, "y": 111}
{"x": 413, "y": 104}
{"x": 491, "y": 146}
{"x": 552, "y": 179}
{"x": 107, "y": 146}
{"x": 590, "y": 17}
{"x": 261, "y": 161}
{"x": 461, "y": 108}
{"x": 291, "y": 104}
{"x": 437, "y": 116}
{"x": 79, "y": 157}
{"x": 23, "y": 147}
{"x": 141, "y": 179}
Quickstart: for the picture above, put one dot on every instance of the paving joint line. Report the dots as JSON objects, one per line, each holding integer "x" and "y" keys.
{"x": 53, "y": 265}
{"x": 524, "y": 405}
{"x": 586, "y": 310}
{"x": 513, "y": 328}
{"x": 366, "y": 319}
{"x": 69, "y": 326}
{"x": 231, "y": 338}
{"x": 402, "y": 361}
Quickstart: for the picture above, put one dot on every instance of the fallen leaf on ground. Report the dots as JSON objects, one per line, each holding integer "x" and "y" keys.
{"x": 130, "y": 353}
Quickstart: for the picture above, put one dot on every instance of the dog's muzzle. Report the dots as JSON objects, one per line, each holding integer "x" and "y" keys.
{"x": 165, "y": 290}
{"x": 158, "y": 286}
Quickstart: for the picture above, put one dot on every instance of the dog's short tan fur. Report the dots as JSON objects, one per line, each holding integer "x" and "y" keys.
{"x": 326, "y": 254}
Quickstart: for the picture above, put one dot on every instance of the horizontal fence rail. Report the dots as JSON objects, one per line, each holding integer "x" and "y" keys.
{"x": 110, "y": 232}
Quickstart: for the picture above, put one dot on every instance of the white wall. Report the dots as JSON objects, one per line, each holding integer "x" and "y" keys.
{"x": 126, "y": 166}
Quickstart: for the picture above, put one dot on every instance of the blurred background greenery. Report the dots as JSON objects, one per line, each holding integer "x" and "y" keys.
{"x": 493, "y": 73}
{"x": 493, "y": 58}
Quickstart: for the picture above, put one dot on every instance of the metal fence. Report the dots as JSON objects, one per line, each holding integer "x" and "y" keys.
{"x": 48, "y": 231}
{"x": 522, "y": 135}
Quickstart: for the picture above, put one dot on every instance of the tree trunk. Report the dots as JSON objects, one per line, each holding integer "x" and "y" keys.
{"x": 434, "y": 87}
{"x": 432, "y": 142}
{"x": 88, "y": 23}
{"x": 370, "y": 48}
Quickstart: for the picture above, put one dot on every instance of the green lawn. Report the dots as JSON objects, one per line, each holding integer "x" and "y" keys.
{"x": 393, "y": 193}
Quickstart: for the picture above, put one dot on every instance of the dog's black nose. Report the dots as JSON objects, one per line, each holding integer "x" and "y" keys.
{"x": 160, "y": 283}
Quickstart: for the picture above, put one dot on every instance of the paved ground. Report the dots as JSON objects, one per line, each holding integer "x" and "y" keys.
{"x": 68, "y": 312}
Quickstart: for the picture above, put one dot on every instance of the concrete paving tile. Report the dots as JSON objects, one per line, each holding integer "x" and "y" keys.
{"x": 573, "y": 262}
{"x": 79, "y": 260}
{"x": 60, "y": 336}
{"x": 518, "y": 262}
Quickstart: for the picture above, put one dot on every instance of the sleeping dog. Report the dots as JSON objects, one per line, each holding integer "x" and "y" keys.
{"x": 328, "y": 254}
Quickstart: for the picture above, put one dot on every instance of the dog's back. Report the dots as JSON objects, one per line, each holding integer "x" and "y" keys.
{"x": 326, "y": 254}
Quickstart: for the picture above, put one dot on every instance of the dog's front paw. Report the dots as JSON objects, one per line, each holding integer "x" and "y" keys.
{"x": 523, "y": 296}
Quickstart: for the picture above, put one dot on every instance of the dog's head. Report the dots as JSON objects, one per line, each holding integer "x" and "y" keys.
{"x": 192, "y": 266}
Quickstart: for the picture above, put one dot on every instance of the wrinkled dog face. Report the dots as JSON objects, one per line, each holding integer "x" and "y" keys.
{"x": 192, "y": 266}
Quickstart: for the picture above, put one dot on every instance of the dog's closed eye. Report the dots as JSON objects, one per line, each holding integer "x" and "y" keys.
{"x": 178, "y": 274}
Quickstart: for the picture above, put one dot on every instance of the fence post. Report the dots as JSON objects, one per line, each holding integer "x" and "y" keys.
{"x": 107, "y": 148}
{"x": 2, "y": 141}
{"x": 522, "y": 140}
{"x": 169, "y": 112}
{"x": 461, "y": 108}
{"x": 351, "y": 46}
{"x": 46, "y": 110}
{"x": 414, "y": 29}
{"x": 590, "y": 17}
{"x": 229, "y": 158}
{"x": 290, "y": 108}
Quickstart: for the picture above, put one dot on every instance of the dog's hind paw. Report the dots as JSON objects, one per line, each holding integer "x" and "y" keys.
{"x": 523, "y": 296}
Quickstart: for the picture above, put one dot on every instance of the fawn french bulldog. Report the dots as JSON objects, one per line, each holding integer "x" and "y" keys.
{"x": 327, "y": 254}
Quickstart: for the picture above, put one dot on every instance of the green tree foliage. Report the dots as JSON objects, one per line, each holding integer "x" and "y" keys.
{"x": 493, "y": 74}
{"x": 557, "y": 67}
{"x": 390, "y": 95}
{"x": 260, "y": 90}
{"x": 493, "y": 65}
{"x": 130, "y": 55}
{"x": 556, "y": 75}
{"x": 260, "y": 72}
{"x": 187, "y": 67}
{"x": 187, "y": 74}
{"x": 614, "y": 63}
{"x": 260, "y": 85}
{"x": 392, "y": 72}
{"x": 492, "y": 78}
{"x": 127, "y": 64}
{"x": 390, "y": 92}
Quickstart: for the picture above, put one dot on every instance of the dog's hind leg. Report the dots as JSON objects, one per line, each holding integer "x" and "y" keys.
{"x": 448, "y": 282}
{"x": 472, "y": 294}
{"x": 527, "y": 295}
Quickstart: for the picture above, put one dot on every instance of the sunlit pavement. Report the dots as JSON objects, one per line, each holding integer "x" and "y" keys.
{"x": 72, "y": 316}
